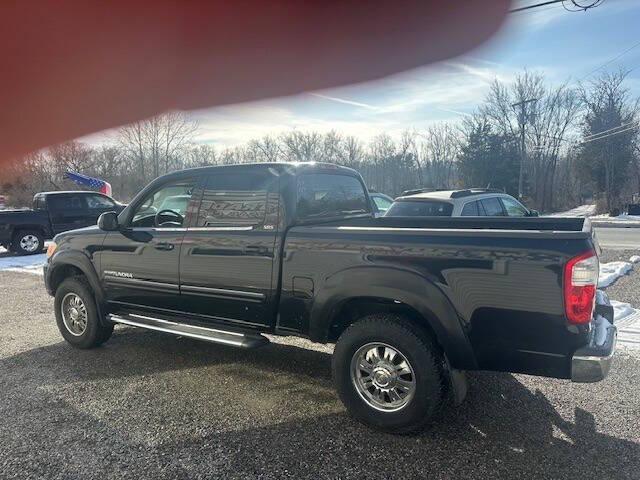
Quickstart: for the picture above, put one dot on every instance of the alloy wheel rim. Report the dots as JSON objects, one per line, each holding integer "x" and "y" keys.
{"x": 29, "y": 243}
{"x": 74, "y": 314}
{"x": 383, "y": 377}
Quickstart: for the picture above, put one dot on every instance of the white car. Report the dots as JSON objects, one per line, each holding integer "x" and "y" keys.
{"x": 472, "y": 202}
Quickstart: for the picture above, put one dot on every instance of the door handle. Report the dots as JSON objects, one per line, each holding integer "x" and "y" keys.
{"x": 256, "y": 250}
{"x": 163, "y": 246}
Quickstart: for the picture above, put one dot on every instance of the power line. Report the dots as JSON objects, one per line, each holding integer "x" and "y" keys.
{"x": 528, "y": 7}
{"x": 635, "y": 125}
{"x": 635, "y": 45}
{"x": 581, "y": 8}
{"x": 577, "y": 7}
{"x": 608, "y": 130}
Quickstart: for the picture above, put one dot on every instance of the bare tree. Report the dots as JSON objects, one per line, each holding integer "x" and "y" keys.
{"x": 439, "y": 152}
{"x": 265, "y": 149}
{"x": 201, "y": 155}
{"x": 353, "y": 153}
{"x": 548, "y": 119}
{"x": 610, "y": 135}
{"x": 299, "y": 146}
{"x": 157, "y": 144}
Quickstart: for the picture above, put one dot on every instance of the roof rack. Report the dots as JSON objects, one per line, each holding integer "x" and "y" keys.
{"x": 422, "y": 190}
{"x": 474, "y": 191}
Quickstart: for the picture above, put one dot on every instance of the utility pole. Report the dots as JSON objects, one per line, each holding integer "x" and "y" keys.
{"x": 523, "y": 122}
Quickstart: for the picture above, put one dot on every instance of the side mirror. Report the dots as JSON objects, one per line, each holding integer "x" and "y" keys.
{"x": 108, "y": 221}
{"x": 533, "y": 213}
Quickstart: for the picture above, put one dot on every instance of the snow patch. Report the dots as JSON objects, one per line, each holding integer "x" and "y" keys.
{"x": 634, "y": 259}
{"x": 622, "y": 219}
{"x": 23, "y": 264}
{"x": 621, "y": 310}
{"x": 581, "y": 211}
{"x": 610, "y": 272}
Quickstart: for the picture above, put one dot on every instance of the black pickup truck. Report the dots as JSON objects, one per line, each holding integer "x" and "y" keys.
{"x": 293, "y": 249}
{"x": 24, "y": 231}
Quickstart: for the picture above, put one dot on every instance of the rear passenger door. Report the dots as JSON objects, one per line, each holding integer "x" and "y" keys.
{"x": 227, "y": 256}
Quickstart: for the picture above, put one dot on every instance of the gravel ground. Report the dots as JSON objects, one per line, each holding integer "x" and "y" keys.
{"x": 148, "y": 405}
{"x": 626, "y": 288}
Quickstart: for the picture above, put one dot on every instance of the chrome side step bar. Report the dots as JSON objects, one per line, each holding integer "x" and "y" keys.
{"x": 207, "y": 334}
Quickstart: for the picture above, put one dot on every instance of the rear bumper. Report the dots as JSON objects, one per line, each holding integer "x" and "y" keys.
{"x": 592, "y": 362}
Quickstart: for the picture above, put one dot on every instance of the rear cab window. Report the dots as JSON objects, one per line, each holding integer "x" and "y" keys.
{"x": 420, "y": 208}
{"x": 325, "y": 195}
{"x": 39, "y": 202}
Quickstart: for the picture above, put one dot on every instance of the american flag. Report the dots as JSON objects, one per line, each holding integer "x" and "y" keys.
{"x": 104, "y": 187}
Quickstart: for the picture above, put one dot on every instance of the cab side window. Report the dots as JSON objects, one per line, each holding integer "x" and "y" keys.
{"x": 234, "y": 199}
{"x": 63, "y": 203}
{"x": 99, "y": 202}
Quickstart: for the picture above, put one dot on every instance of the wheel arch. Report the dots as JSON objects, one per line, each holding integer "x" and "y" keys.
{"x": 354, "y": 293}
{"x": 16, "y": 229}
{"x": 67, "y": 264}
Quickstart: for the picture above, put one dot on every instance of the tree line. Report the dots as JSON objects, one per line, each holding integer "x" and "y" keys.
{"x": 580, "y": 144}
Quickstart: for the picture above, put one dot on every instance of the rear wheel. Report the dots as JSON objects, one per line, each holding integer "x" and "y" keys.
{"x": 27, "y": 242}
{"x": 77, "y": 315}
{"x": 389, "y": 373}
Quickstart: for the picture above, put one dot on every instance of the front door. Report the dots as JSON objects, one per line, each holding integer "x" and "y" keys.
{"x": 227, "y": 257}
{"x": 139, "y": 263}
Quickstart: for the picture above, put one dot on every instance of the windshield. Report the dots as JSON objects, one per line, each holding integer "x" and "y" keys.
{"x": 419, "y": 208}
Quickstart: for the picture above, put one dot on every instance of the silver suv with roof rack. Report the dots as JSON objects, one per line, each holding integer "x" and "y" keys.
{"x": 470, "y": 202}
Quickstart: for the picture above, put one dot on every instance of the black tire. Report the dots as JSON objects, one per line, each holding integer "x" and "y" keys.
{"x": 33, "y": 246}
{"x": 95, "y": 333}
{"x": 422, "y": 354}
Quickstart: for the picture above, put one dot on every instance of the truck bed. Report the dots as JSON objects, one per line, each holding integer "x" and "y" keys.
{"x": 495, "y": 284}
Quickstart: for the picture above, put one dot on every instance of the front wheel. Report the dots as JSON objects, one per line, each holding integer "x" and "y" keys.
{"x": 77, "y": 315}
{"x": 389, "y": 373}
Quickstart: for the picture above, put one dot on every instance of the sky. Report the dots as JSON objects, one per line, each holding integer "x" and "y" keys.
{"x": 564, "y": 46}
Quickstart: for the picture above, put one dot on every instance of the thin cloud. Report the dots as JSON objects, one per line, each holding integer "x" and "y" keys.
{"x": 345, "y": 101}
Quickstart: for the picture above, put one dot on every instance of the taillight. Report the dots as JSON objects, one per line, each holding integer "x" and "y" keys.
{"x": 580, "y": 284}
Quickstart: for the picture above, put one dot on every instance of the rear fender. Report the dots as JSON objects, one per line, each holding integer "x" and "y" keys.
{"x": 402, "y": 286}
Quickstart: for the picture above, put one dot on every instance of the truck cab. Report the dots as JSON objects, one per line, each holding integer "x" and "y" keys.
{"x": 25, "y": 231}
